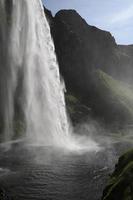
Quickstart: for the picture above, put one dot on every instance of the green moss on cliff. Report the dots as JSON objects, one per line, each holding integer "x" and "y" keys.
{"x": 76, "y": 109}
{"x": 120, "y": 186}
{"x": 117, "y": 91}
{"x": 71, "y": 99}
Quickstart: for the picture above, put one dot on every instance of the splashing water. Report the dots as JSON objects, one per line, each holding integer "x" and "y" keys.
{"x": 28, "y": 55}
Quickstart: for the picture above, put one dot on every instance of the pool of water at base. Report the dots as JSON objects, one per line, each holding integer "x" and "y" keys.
{"x": 47, "y": 173}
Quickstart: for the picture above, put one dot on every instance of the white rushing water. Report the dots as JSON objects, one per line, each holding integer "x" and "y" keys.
{"x": 31, "y": 52}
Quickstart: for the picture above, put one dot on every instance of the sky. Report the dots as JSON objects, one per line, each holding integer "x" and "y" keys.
{"x": 115, "y": 16}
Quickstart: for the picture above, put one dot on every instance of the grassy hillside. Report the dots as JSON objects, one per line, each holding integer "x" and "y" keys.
{"x": 116, "y": 91}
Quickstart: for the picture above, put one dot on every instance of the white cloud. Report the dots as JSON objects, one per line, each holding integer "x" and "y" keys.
{"x": 123, "y": 16}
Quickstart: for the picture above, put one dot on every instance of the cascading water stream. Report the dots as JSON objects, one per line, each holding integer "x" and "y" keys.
{"x": 31, "y": 56}
{"x": 44, "y": 106}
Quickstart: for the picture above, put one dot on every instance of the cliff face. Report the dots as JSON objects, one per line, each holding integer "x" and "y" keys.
{"x": 83, "y": 48}
{"x": 48, "y": 16}
{"x": 82, "y": 51}
{"x": 79, "y": 47}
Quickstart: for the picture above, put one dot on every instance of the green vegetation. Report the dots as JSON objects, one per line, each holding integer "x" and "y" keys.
{"x": 120, "y": 186}
{"x": 119, "y": 91}
{"x": 75, "y": 108}
{"x": 71, "y": 99}
{"x": 71, "y": 102}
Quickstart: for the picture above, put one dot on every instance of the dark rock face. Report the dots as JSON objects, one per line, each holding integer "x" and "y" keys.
{"x": 78, "y": 48}
{"x": 49, "y": 16}
{"x": 82, "y": 50}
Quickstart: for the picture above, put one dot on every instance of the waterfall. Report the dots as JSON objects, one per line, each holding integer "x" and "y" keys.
{"x": 30, "y": 74}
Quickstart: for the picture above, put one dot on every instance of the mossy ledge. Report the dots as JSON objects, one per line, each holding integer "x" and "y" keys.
{"x": 120, "y": 186}
{"x": 77, "y": 111}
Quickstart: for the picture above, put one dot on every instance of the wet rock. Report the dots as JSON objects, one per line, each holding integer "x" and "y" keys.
{"x": 120, "y": 185}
